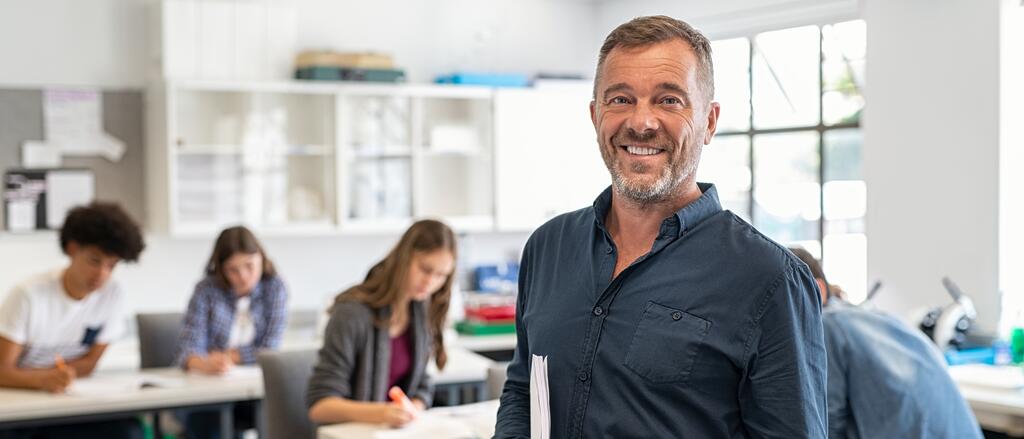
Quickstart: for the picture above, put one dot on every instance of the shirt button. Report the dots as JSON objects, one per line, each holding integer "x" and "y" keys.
{"x": 677, "y": 315}
{"x": 598, "y": 311}
{"x": 583, "y": 376}
{"x": 609, "y": 250}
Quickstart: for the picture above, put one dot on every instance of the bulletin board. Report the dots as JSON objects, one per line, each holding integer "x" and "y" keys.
{"x": 21, "y": 119}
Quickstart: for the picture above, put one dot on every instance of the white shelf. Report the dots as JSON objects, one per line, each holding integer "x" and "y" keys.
{"x": 350, "y": 88}
{"x": 374, "y": 152}
{"x": 237, "y": 149}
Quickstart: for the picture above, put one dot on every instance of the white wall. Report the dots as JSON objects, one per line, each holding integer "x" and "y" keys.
{"x": 98, "y": 43}
{"x": 730, "y": 18}
{"x": 1011, "y": 161}
{"x": 931, "y": 152}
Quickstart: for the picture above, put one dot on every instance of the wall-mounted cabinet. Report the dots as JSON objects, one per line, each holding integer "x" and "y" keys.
{"x": 294, "y": 157}
{"x": 315, "y": 158}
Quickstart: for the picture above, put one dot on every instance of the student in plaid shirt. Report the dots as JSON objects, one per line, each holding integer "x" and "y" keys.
{"x": 238, "y": 309}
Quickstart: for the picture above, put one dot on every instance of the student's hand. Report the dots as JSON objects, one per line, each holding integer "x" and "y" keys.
{"x": 394, "y": 415}
{"x": 57, "y": 380}
{"x": 218, "y": 363}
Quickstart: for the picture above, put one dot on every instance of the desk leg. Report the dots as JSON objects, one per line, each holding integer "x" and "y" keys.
{"x": 227, "y": 421}
{"x": 158, "y": 433}
{"x": 259, "y": 419}
{"x": 453, "y": 395}
{"x": 481, "y": 392}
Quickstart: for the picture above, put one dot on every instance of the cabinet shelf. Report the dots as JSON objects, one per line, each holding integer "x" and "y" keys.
{"x": 185, "y": 149}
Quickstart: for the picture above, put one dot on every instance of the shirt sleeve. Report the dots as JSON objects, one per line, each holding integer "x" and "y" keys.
{"x": 425, "y": 391}
{"x": 514, "y": 412}
{"x": 193, "y": 340}
{"x": 276, "y": 312}
{"x": 783, "y": 393}
{"x": 14, "y": 317}
{"x": 838, "y": 395}
{"x": 114, "y": 327}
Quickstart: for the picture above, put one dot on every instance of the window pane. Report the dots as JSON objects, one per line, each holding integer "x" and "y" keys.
{"x": 786, "y": 84}
{"x": 726, "y": 163}
{"x": 843, "y": 46}
{"x": 845, "y": 204}
{"x": 845, "y": 191}
{"x": 845, "y": 264}
{"x": 732, "y": 83}
{"x": 786, "y": 190}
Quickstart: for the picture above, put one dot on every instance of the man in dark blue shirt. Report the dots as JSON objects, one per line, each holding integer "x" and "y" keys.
{"x": 661, "y": 315}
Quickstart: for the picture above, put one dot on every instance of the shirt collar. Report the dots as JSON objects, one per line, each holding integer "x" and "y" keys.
{"x": 682, "y": 220}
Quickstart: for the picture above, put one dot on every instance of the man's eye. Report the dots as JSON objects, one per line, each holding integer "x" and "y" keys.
{"x": 619, "y": 100}
{"x": 671, "y": 101}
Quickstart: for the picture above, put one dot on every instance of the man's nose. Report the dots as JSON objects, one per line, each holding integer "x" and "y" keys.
{"x": 643, "y": 119}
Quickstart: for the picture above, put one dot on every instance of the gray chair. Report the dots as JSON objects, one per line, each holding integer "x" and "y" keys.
{"x": 158, "y": 338}
{"x": 285, "y": 376}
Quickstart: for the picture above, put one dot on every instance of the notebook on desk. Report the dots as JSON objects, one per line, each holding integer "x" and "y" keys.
{"x": 106, "y": 386}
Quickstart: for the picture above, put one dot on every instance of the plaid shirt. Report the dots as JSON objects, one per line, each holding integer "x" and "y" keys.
{"x": 211, "y": 312}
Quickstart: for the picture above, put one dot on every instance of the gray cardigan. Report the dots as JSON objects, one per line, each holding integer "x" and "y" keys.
{"x": 356, "y": 356}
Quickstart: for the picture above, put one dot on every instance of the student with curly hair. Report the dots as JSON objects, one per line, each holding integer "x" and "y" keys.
{"x": 55, "y": 326}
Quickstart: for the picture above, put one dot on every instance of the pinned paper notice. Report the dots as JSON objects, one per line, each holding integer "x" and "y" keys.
{"x": 73, "y": 122}
{"x": 540, "y": 410}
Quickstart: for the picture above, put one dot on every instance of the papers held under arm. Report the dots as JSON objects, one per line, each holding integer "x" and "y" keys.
{"x": 540, "y": 410}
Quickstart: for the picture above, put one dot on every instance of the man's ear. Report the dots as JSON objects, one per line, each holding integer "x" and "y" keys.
{"x": 712, "y": 122}
{"x": 593, "y": 113}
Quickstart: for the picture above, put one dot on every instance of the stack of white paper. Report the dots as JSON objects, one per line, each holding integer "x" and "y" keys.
{"x": 540, "y": 412}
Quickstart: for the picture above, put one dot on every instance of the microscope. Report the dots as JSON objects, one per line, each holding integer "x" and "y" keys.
{"x": 947, "y": 325}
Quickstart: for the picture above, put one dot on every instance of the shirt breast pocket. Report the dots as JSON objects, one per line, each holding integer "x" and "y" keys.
{"x": 665, "y": 344}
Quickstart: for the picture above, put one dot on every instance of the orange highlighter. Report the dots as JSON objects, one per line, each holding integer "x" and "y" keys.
{"x": 398, "y": 397}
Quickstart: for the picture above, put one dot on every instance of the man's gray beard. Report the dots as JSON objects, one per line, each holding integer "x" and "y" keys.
{"x": 658, "y": 192}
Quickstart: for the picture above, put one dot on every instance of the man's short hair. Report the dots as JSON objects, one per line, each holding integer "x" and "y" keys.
{"x": 106, "y": 226}
{"x": 645, "y": 31}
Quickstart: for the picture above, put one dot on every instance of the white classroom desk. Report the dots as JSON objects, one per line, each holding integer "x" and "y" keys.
{"x": 174, "y": 389}
{"x": 471, "y": 421}
{"x": 995, "y": 394}
{"x": 26, "y": 407}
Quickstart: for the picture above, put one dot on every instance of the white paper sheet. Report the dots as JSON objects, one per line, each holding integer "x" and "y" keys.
{"x": 429, "y": 425}
{"x": 73, "y": 122}
{"x": 21, "y": 216}
{"x": 64, "y": 190}
{"x": 540, "y": 411}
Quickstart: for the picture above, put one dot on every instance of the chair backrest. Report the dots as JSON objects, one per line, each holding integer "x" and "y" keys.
{"x": 158, "y": 338}
{"x": 285, "y": 377}
{"x": 496, "y": 375}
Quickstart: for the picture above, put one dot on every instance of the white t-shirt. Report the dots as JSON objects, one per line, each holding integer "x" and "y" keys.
{"x": 39, "y": 315}
{"x": 243, "y": 331}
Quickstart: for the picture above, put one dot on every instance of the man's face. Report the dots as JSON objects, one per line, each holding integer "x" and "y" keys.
{"x": 652, "y": 119}
{"x": 90, "y": 267}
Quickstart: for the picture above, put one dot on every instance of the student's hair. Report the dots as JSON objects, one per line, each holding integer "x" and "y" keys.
{"x": 385, "y": 282}
{"x": 813, "y": 264}
{"x": 646, "y": 31}
{"x": 106, "y": 226}
{"x": 234, "y": 240}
